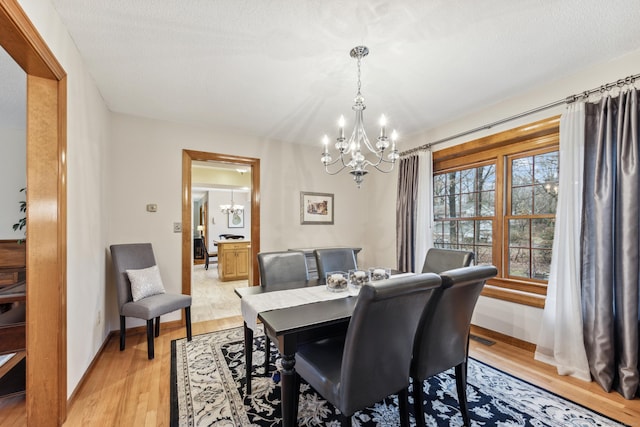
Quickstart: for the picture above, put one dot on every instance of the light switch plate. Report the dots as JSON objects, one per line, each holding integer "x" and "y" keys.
{"x": 152, "y": 207}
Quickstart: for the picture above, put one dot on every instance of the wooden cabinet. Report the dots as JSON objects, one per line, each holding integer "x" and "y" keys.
{"x": 233, "y": 260}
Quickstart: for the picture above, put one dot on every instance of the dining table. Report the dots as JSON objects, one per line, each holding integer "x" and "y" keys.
{"x": 290, "y": 326}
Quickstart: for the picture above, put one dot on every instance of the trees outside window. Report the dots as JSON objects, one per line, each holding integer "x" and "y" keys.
{"x": 497, "y": 197}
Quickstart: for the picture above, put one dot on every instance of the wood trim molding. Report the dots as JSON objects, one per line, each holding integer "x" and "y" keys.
{"x": 188, "y": 156}
{"x": 537, "y": 129}
{"x": 498, "y": 336}
{"x": 46, "y": 335}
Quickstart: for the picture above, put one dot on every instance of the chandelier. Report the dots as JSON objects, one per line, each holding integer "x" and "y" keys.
{"x": 232, "y": 208}
{"x": 350, "y": 152}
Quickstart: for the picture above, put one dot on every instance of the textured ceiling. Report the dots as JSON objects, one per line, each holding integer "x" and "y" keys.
{"x": 281, "y": 68}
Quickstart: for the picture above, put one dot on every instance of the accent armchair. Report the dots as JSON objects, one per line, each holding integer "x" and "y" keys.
{"x": 136, "y": 260}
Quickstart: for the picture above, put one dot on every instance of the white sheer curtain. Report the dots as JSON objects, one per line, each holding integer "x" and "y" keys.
{"x": 424, "y": 220}
{"x": 561, "y": 340}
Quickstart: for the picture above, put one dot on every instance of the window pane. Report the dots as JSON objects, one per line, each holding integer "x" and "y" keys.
{"x": 522, "y": 171}
{"x": 452, "y": 206}
{"x": 546, "y": 168}
{"x": 439, "y": 185}
{"x": 451, "y": 232}
{"x": 484, "y": 255}
{"x": 486, "y": 178}
{"x": 468, "y": 207}
{"x": 453, "y": 183}
{"x": 519, "y": 262}
{"x": 438, "y": 234}
{"x": 465, "y": 232}
{"x": 484, "y": 232}
{"x": 486, "y": 203}
{"x": 521, "y": 201}
{"x": 519, "y": 233}
{"x": 541, "y": 264}
{"x": 439, "y": 207}
{"x": 546, "y": 198}
{"x": 468, "y": 180}
{"x": 542, "y": 233}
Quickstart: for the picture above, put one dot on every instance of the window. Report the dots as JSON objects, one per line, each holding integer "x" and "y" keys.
{"x": 497, "y": 197}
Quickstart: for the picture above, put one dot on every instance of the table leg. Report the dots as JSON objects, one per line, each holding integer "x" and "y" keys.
{"x": 248, "y": 355}
{"x": 289, "y": 391}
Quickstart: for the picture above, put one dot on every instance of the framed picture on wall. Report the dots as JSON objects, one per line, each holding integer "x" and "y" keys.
{"x": 316, "y": 208}
{"x": 235, "y": 220}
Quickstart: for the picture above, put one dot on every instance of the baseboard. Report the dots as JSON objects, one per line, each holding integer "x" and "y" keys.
{"x": 174, "y": 324}
{"x": 497, "y": 336}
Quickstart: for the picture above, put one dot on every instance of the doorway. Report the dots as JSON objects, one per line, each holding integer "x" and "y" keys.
{"x": 188, "y": 157}
{"x": 46, "y": 255}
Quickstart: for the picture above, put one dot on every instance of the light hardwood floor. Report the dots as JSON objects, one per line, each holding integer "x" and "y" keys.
{"x": 126, "y": 389}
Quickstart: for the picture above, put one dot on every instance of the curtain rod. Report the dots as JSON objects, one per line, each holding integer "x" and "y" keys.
{"x": 568, "y": 100}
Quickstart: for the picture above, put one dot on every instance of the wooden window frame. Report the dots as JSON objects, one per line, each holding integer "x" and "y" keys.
{"x": 537, "y": 137}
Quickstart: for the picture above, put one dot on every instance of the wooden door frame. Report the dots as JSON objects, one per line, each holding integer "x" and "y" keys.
{"x": 188, "y": 156}
{"x": 46, "y": 251}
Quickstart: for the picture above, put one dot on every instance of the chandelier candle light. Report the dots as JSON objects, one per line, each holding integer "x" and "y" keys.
{"x": 354, "y": 145}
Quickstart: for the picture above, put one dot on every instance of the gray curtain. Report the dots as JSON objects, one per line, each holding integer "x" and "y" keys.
{"x": 406, "y": 212}
{"x": 610, "y": 229}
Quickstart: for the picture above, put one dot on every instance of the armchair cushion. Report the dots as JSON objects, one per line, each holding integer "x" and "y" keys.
{"x": 145, "y": 282}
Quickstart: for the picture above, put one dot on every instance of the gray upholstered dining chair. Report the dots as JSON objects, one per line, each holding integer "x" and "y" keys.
{"x": 141, "y": 293}
{"x": 442, "y": 338}
{"x": 439, "y": 260}
{"x": 277, "y": 268}
{"x": 334, "y": 259}
{"x": 372, "y": 360}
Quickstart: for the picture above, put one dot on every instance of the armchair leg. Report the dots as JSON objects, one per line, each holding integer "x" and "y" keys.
{"x": 403, "y": 405}
{"x": 267, "y": 355}
{"x": 417, "y": 402}
{"x": 187, "y": 316}
{"x": 150, "y": 339}
{"x": 157, "y": 326}
{"x": 461, "y": 385}
{"x": 122, "y": 332}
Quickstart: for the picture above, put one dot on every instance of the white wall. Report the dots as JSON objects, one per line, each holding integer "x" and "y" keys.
{"x": 508, "y": 318}
{"x": 87, "y": 138}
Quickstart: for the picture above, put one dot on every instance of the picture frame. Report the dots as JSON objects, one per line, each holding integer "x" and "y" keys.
{"x": 235, "y": 220}
{"x": 316, "y": 208}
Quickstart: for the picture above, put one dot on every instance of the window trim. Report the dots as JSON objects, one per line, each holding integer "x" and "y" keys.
{"x": 540, "y": 135}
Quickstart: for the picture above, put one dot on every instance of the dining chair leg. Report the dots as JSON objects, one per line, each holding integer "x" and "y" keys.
{"x": 248, "y": 355}
{"x": 417, "y": 402}
{"x": 187, "y": 318}
{"x": 150, "y": 339}
{"x": 123, "y": 332}
{"x": 267, "y": 355}
{"x": 461, "y": 386}
{"x": 403, "y": 407}
{"x": 157, "y": 334}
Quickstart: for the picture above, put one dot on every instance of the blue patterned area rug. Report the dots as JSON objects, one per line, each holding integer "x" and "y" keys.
{"x": 208, "y": 383}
